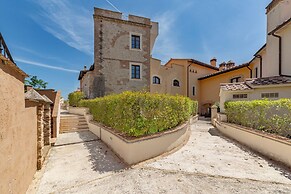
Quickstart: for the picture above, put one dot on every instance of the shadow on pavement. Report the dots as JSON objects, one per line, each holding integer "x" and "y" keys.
{"x": 101, "y": 157}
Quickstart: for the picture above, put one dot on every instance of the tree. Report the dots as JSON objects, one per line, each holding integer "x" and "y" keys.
{"x": 36, "y": 83}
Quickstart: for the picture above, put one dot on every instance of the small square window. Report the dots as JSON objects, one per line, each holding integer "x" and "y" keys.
{"x": 270, "y": 95}
{"x": 135, "y": 42}
{"x": 239, "y": 96}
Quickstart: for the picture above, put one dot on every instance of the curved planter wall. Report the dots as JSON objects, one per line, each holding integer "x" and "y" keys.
{"x": 140, "y": 149}
{"x": 274, "y": 148}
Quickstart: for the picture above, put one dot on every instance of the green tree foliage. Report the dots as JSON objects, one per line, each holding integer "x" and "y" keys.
{"x": 273, "y": 116}
{"x": 36, "y": 83}
{"x": 75, "y": 97}
{"x": 141, "y": 113}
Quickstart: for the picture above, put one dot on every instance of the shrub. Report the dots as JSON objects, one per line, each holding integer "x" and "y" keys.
{"x": 266, "y": 115}
{"x": 75, "y": 97}
{"x": 138, "y": 113}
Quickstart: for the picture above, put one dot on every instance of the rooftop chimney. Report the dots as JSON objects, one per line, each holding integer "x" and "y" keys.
{"x": 213, "y": 62}
{"x": 222, "y": 66}
{"x": 230, "y": 64}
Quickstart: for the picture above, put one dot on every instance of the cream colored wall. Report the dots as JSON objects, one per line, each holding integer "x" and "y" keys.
{"x": 228, "y": 96}
{"x": 18, "y": 134}
{"x": 193, "y": 81}
{"x": 167, "y": 74}
{"x": 255, "y": 94}
{"x": 276, "y": 149}
{"x": 278, "y": 14}
{"x": 210, "y": 87}
{"x": 284, "y": 91}
{"x": 256, "y": 63}
{"x": 286, "y": 50}
{"x": 145, "y": 148}
{"x": 275, "y": 17}
{"x": 177, "y": 69}
{"x": 158, "y": 70}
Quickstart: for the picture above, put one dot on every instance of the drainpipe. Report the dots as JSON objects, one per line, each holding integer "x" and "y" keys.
{"x": 261, "y": 65}
{"x": 251, "y": 72}
{"x": 280, "y": 52}
{"x": 188, "y": 78}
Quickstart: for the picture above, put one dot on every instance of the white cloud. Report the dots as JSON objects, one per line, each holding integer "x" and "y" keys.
{"x": 45, "y": 65}
{"x": 167, "y": 46}
{"x": 70, "y": 23}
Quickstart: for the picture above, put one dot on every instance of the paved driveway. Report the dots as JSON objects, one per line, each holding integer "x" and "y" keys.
{"x": 208, "y": 163}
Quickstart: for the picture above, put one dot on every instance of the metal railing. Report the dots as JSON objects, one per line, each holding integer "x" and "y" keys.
{"x": 4, "y": 49}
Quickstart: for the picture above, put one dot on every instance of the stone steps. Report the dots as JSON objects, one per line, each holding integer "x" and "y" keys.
{"x": 73, "y": 123}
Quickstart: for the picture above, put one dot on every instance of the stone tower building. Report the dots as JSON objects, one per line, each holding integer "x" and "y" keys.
{"x": 122, "y": 53}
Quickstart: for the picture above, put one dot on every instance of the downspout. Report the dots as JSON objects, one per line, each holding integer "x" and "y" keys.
{"x": 261, "y": 65}
{"x": 188, "y": 78}
{"x": 280, "y": 52}
{"x": 251, "y": 72}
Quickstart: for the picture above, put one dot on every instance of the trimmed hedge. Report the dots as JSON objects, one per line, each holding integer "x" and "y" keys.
{"x": 137, "y": 113}
{"x": 266, "y": 115}
{"x": 75, "y": 97}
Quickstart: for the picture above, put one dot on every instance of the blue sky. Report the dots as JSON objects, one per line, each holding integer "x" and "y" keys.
{"x": 53, "y": 39}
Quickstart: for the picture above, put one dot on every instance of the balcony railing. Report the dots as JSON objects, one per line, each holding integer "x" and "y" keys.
{"x": 4, "y": 49}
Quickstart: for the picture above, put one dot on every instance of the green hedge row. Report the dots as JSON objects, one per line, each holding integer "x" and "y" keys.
{"x": 138, "y": 113}
{"x": 75, "y": 97}
{"x": 266, "y": 115}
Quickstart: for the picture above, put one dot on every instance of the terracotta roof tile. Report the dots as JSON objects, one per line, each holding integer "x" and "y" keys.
{"x": 270, "y": 81}
{"x": 35, "y": 96}
{"x": 235, "y": 86}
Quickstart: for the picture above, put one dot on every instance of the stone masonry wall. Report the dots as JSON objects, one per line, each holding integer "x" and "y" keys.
{"x": 40, "y": 135}
{"x": 112, "y": 54}
{"x": 47, "y": 124}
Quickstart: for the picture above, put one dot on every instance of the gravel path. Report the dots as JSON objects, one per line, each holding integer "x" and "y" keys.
{"x": 208, "y": 163}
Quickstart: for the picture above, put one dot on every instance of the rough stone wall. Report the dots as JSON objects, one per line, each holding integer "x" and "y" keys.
{"x": 40, "y": 135}
{"x": 112, "y": 55}
{"x": 47, "y": 124}
{"x": 54, "y": 96}
{"x": 18, "y": 138}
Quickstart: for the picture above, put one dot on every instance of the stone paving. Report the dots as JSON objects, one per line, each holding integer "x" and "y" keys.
{"x": 208, "y": 163}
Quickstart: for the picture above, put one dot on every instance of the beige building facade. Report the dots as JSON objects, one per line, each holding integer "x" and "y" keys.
{"x": 18, "y": 139}
{"x": 271, "y": 65}
{"x": 180, "y": 77}
{"x": 26, "y": 121}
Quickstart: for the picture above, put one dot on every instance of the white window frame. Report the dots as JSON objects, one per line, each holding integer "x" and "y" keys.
{"x": 275, "y": 95}
{"x": 239, "y": 96}
{"x": 135, "y": 34}
{"x": 133, "y": 63}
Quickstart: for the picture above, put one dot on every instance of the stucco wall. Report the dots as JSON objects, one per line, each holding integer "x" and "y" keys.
{"x": 255, "y": 94}
{"x": 276, "y": 17}
{"x": 274, "y": 148}
{"x": 209, "y": 93}
{"x": 18, "y": 138}
{"x": 134, "y": 151}
{"x": 177, "y": 69}
{"x": 286, "y": 50}
{"x": 256, "y": 64}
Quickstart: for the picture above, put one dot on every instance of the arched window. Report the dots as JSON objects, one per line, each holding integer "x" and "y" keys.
{"x": 176, "y": 83}
{"x": 156, "y": 80}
